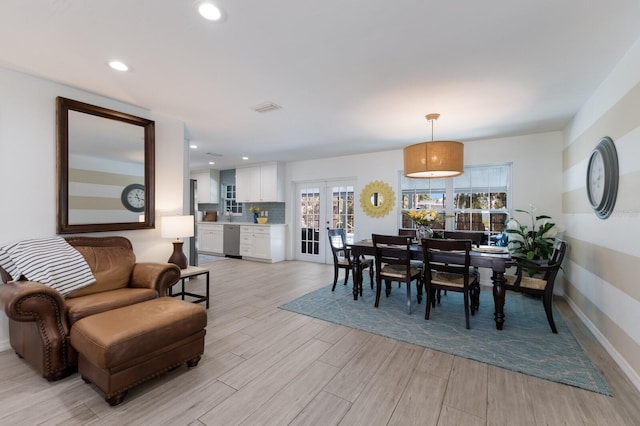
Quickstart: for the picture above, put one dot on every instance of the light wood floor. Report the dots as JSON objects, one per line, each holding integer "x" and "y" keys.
{"x": 265, "y": 366}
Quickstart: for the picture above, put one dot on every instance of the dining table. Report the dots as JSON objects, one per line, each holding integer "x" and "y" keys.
{"x": 492, "y": 257}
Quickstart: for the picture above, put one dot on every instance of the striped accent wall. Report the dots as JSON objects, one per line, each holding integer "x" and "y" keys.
{"x": 601, "y": 271}
{"x": 94, "y": 196}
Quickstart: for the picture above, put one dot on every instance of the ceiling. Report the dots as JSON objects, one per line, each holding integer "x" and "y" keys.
{"x": 351, "y": 76}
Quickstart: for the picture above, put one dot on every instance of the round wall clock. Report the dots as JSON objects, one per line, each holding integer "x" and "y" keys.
{"x": 602, "y": 178}
{"x": 377, "y": 199}
{"x": 133, "y": 197}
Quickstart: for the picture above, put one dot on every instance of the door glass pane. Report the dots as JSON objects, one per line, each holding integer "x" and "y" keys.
{"x": 342, "y": 210}
{"x": 309, "y": 220}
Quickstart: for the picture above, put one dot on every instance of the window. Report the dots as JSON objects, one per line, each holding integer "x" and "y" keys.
{"x": 424, "y": 194}
{"x": 230, "y": 204}
{"x": 481, "y": 198}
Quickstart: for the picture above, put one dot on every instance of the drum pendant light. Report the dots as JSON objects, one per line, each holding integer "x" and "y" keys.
{"x": 435, "y": 159}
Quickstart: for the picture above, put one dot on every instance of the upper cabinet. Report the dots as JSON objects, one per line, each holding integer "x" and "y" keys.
{"x": 208, "y": 190}
{"x": 261, "y": 183}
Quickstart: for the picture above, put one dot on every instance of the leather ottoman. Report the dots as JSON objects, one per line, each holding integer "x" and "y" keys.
{"x": 121, "y": 348}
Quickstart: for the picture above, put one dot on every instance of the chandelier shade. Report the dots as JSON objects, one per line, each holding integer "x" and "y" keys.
{"x": 436, "y": 159}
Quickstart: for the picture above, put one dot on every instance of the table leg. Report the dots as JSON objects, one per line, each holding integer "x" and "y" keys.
{"x": 498, "y": 297}
{"x": 207, "y": 276}
{"x": 357, "y": 276}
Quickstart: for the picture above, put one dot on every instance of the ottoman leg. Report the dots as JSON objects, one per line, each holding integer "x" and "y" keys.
{"x": 193, "y": 362}
{"x": 116, "y": 399}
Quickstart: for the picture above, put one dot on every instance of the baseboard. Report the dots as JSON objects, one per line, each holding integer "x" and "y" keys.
{"x": 4, "y": 345}
{"x": 622, "y": 363}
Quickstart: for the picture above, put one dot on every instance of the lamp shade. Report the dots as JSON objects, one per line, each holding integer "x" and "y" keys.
{"x": 177, "y": 226}
{"x": 435, "y": 159}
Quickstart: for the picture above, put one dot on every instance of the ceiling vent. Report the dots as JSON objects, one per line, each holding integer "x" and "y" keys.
{"x": 266, "y": 107}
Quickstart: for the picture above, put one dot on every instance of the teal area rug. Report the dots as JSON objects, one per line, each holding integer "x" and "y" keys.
{"x": 526, "y": 344}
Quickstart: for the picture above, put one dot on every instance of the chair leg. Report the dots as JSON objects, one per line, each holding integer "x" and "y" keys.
{"x": 370, "y": 277}
{"x": 466, "y": 308}
{"x": 419, "y": 289}
{"x": 546, "y": 300}
{"x": 378, "y": 290}
{"x": 429, "y": 295}
{"x": 387, "y": 289}
{"x": 474, "y": 291}
{"x": 346, "y": 275}
{"x": 409, "y": 297}
{"x": 335, "y": 277}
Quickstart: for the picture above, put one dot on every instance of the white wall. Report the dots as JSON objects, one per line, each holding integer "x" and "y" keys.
{"x": 604, "y": 255}
{"x": 28, "y": 165}
{"x": 537, "y": 173}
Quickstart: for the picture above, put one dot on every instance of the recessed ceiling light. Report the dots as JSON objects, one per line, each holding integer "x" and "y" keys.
{"x": 193, "y": 146}
{"x": 119, "y": 66}
{"x": 211, "y": 162}
{"x": 245, "y": 158}
{"x": 209, "y": 11}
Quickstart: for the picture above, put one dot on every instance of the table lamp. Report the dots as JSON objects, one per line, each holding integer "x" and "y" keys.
{"x": 176, "y": 227}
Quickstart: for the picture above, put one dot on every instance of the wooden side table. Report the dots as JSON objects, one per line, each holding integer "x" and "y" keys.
{"x": 190, "y": 272}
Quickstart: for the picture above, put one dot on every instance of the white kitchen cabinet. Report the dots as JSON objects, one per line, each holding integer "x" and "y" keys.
{"x": 210, "y": 238}
{"x": 264, "y": 243}
{"x": 262, "y": 183}
{"x": 208, "y": 190}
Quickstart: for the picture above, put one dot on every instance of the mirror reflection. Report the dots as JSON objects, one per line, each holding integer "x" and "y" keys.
{"x": 105, "y": 169}
{"x": 105, "y": 158}
{"x": 377, "y": 199}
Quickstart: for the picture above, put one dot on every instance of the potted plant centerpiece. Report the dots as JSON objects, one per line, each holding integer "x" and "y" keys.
{"x": 533, "y": 244}
{"x": 423, "y": 219}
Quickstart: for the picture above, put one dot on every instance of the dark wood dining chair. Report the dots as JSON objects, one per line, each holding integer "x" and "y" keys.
{"x": 452, "y": 273}
{"x": 409, "y": 232}
{"x": 476, "y": 239}
{"x": 538, "y": 279}
{"x": 342, "y": 257}
{"x": 393, "y": 263}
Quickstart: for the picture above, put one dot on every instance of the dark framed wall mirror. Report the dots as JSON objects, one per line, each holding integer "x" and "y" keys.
{"x": 105, "y": 169}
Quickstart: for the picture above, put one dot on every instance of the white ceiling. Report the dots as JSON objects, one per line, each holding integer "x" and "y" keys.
{"x": 351, "y": 75}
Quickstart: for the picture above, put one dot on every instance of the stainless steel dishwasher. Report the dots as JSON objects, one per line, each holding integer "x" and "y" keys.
{"x": 231, "y": 240}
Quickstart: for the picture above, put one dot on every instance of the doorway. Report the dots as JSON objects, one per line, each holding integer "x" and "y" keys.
{"x": 322, "y": 205}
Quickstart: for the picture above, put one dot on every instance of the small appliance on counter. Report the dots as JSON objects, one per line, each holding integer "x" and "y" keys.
{"x": 210, "y": 216}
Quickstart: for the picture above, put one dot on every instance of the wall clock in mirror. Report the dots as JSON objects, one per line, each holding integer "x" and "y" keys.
{"x": 133, "y": 197}
{"x": 602, "y": 178}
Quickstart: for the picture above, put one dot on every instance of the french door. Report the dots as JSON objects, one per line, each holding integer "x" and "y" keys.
{"x": 322, "y": 205}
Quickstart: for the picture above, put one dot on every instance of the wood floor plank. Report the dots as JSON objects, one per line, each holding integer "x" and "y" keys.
{"x": 467, "y": 389}
{"x": 291, "y": 400}
{"x": 345, "y": 349}
{"x": 509, "y": 403}
{"x": 240, "y": 405}
{"x": 195, "y": 402}
{"x": 355, "y": 376}
{"x": 379, "y": 399}
{"x": 272, "y": 335}
{"x": 251, "y": 368}
{"x": 333, "y": 333}
{"x": 421, "y": 400}
{"x": 450, "y": 416}
{"x": 325, "y": 409}
{"x": 552, "y": 404}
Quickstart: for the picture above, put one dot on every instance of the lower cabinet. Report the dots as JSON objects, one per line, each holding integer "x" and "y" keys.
{"x": 210, "y": 238}
{"x": 262, "y": 242}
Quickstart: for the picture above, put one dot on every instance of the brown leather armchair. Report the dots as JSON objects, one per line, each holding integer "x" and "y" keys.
{"x": 40, "y": 318}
